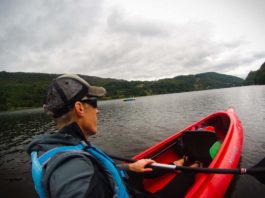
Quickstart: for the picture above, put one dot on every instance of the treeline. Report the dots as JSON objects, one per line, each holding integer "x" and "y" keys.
{"x": 23, "y": 90}
{"x": 256, "y": 77}
{"x": 172, "y": 85}
{"x": 20, "y": 90}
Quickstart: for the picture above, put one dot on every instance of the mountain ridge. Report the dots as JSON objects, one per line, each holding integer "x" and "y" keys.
{"x": 256, "y": 77}
{"x": 24, "y": 90}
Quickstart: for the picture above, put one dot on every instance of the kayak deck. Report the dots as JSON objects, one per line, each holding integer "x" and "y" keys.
{"x": 228, "y": 130}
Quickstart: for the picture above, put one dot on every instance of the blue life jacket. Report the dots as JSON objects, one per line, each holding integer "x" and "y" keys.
{"x": 39, "y": 162}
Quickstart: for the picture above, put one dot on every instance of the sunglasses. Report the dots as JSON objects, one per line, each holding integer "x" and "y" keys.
{"x": 91, "y": 101}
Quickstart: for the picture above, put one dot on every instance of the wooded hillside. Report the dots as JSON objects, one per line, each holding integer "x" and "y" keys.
{"x": 256, "y": 77}
{"x": 22, "y": 90}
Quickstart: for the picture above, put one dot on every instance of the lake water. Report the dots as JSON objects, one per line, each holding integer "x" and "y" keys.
{"x": 126, "y": 128}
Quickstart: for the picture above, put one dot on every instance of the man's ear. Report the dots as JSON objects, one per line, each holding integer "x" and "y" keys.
{"x": 79, "y": 109}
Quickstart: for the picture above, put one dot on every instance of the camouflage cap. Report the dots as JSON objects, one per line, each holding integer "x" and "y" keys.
{"x": 65, "y": 90}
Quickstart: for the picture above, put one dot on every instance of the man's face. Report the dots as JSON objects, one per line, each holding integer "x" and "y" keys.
{"x": 90, "y": 120}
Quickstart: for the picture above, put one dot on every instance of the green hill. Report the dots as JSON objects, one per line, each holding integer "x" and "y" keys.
{"x": 256, "y": 77}
{"x": 23, "y": 90}
{"x": 210, "y": 80}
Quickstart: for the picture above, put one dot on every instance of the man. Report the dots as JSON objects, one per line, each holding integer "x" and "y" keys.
{"x": 65, "y": 164}
{"x": 71, "y": 101}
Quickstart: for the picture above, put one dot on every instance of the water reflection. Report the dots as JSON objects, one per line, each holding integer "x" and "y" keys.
{"x": 17, "y": 129}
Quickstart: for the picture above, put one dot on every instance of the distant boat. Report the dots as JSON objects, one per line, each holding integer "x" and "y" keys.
{"x": 129, "y": 99}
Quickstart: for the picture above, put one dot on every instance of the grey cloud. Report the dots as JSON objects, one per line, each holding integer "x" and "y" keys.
{"x": 43, "y": 25}
{"x": 259, "y": 55}
{"x": 55, "y": 37}
{"x": 117, "y": 22}
{"x": 131, "y": 57}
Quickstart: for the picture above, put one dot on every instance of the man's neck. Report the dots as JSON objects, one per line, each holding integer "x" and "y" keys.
{"x": 74, "y": 130}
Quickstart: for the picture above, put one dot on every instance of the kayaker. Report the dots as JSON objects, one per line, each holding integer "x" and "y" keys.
{"x": 65, "y": 164}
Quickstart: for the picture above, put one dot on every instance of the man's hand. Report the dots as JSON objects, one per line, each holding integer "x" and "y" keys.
{"x": 139, "y": 166}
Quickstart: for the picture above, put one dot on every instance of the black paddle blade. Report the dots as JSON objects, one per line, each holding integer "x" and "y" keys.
{"x": 261, "y": 175}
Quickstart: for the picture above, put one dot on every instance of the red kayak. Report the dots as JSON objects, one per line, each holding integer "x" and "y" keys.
{"x": 196, "y": 141}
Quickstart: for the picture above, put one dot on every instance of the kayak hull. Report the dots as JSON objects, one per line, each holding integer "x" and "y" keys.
{"x": 229, "y": 131}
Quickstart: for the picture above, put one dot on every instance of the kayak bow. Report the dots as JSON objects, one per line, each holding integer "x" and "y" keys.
{"x": 195, "y": 141}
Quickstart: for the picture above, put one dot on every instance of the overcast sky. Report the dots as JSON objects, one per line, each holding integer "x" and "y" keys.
{"x": 132, "y": 39}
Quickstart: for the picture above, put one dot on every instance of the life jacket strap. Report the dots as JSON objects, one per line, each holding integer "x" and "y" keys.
{"x": 43, "y": 159}
{"x": 39, "y": 162}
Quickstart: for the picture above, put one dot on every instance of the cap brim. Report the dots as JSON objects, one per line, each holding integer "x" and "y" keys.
{"x": 96, "y": 91}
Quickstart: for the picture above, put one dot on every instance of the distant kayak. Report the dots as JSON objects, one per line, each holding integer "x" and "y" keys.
{"x": 129, "y": 99}
{"x": 215, "y": 140}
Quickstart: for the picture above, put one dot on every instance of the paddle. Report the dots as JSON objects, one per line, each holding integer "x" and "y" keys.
{"x": 258, "y": 176}
{"x": 254, "y": 171}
